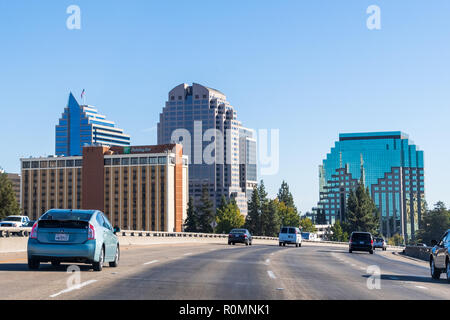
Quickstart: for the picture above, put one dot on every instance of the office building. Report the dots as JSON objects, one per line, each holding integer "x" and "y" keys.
{"x": 390, "y": 165}
{"x": 82, "y": 125}
{"x": 138, "y": 188}
{"x": 247, "y": 161}
{"x": 206, "y": 124}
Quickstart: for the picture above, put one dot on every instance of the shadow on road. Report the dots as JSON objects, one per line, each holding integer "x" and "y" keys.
{"x": 44, "y": 267}
{"x": 406, "y": 278}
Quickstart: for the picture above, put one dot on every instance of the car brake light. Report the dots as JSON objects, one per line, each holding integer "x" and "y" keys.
{"x": 34, "y": 230}
{"x": 245, "y": 236}
{"x": 91, "y": 232}
{"x": 371, "y": 242}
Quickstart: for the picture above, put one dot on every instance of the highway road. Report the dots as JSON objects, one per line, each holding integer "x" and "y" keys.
{"x": 199, "y": 271}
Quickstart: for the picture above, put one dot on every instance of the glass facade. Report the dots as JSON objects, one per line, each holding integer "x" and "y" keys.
{"x": 389, "y": 165}
{"x": 82, "y": 125}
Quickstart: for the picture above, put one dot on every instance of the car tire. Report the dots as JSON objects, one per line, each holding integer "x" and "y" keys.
{"x": 115, "y": 263}
{"x": 448, "y": 271}
{"x": 371, "y": 251}
{"x": 33, "y": 264}
{"x": 56, "y": 263}
{"x": 300, "y": 245}
{"x": 246, "y": 243}
{"x": 435, "y": 273}
{"x": 296, "y": 245}
{"x": 98, "y": 266}
{"x": 350, "y": 250}
{"x": 279, "y": 244}
{"x": 229, "y": 243}
{"x": 250, "y": 243}
{"x": 233, "y": 243}
{"x": 284, "y": 244}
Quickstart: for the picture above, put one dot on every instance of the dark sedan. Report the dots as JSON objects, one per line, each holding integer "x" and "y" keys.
{"x": 240, "y": 236}
{"x": 440, "y": 257}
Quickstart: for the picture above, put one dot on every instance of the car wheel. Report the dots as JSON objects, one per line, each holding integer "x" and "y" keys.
{"x": 448, "y": 271}
{"x": 246, "y": 243}
{"x": 98, "y": 266}
{"x": 229, "y": 242}
{"x": 33, "y": 264}
{"x": 371, "y": 251}
{"x": 233, "y": 243}
{"x": 300, "y": 244}
{"x": 435, "y": 273}
{"x": 296, "y": 245}
{"x": 115, "y": 263}
{"x": 350, "y": 250}
{"x": 279, "y": 244}
{"x": 250, "y": 243}
{"x": 56, "y": 263}
{"x": 284, "y": 244}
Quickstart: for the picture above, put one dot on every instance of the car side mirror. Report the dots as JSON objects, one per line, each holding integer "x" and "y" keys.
{"x": 116, "y": 229}
{"x": 433, "y": 243}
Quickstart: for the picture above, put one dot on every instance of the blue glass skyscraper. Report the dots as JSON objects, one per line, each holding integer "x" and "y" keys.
{"x": 82, "y": 125}
{"x": 390, "y": 165}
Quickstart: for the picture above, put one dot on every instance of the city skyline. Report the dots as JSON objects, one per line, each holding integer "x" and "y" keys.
{"x": 317, "y": 73}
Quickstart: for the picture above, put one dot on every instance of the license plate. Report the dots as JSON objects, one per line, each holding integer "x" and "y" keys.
{"x": 361, "y": 242}
{"x": 61, "y": 237}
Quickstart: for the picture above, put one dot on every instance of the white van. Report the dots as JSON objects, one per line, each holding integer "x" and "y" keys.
{"x": 290, "y": 235}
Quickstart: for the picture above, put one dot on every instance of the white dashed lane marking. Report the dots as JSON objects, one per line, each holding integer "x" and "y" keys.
{"x": 271, "y": 274}
{"x": 75, "y": 287}
{"x": 151, "y": 262}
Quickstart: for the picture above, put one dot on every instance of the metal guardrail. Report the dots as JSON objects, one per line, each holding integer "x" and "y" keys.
{"x": 6, "y": 232}
{"x": 419, "y": 252}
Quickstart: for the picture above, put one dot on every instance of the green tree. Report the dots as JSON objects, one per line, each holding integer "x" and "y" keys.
{"x": 307, "y": 225}
{"x": 284, "y": 195}
{"x": 205, "y": 212}
{"x": 8, "y": 202}
{"x": 253, "y": 219}
{"x": 338, "y": 233}
{"x": 288, "y": 216}
{"x": 396, "y": 240}
{"x": 434, "y": 223}
{"x": 269, "y": 218}
{"x": 228, "y": 216}
{"x": 191, "y": 222}
{"x": 362, "y": 213}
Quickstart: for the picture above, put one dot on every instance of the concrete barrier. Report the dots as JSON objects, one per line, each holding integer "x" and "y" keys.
{"x": 419, "y": 252}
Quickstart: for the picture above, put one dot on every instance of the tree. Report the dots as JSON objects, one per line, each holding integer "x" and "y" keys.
{"x": 338, "y": 233}
{"x": 287, "y": 215}
{"x": 191, "y": 222}
{"x": 269, "y": 218}
{"x": 206, "y": 212}
{"x": 307, "y": 225}
{"x": 228, "y": 216}
{"x": 396, "y": 240}
{"x": 253, "y": 219}
{"x": 434, "y": 223}
{"x": 284, "y": 195}
{"x": 8, "y": 202}
{"x": 362, "y": 213}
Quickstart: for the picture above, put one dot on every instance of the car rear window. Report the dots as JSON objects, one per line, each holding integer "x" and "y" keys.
{"x": 67, "y": 216}
{"x": 379, "y": 239}
{"x": 284, "y": 230}
{"x": 291, "y": 230}
{"x": 361, "y": 236}
{"x": 238, "y": 231}
{"x": 12, "y": 219}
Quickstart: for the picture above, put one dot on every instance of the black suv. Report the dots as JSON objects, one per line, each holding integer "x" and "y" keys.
{"x": 360, "y": 241}
{"x": 440, "y": 257}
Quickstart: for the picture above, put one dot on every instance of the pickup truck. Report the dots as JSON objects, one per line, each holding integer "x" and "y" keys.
{"x": 14, "y": 221}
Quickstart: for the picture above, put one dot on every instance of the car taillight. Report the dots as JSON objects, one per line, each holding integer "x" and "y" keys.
{"x": 34, "y": 230}
{"x": 91, "y": 232}
{"x": 350, "y": 241}
{"x": 371, "y": 242}
{"x": 245, "y": 236}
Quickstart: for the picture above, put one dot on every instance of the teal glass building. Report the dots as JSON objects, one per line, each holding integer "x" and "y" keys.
{"x": 390, "y": 165}
{"x": 82, "y": 125}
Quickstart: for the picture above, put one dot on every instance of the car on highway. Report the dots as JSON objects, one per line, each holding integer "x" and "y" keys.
{"x": 84, "y": 236}
{"x": 310, "y": 236}
{"x": 290, "y": 235}
{"x": 240, "y": 236}
{"x": 440, "y": 257}
{"x": 380, "y": 243}
{"x": 14, "y": 221}
{"x": 360, "y": 241}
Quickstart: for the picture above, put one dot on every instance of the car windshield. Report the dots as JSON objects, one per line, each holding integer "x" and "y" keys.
{"x": 361, "y": 236}
{"x": 238, "y": 231}
{"x": 67, "y": 216}
{"x": 12, "y": 219}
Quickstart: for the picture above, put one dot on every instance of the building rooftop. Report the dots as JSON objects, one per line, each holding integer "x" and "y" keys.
{"x": 373, "y": 135}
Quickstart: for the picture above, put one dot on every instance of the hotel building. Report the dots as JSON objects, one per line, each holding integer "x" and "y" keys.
{"x": 138, "y": 188}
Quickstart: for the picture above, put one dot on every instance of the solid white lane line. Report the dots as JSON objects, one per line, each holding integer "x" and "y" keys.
{"x": 187, "y": 254}
{"x": 267, "y": 261}
{"x": 75, "y": 287}
{"x": 150, "y": 262}
{"x": 270, "y": 273}
{"x": 421, "y": 287}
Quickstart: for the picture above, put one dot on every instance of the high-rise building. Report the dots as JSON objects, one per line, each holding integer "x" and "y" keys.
{"x": 138, "y": 188}
{"x": 82, "y": 125}
{"x": 206, "y": 124}
{"x": 247, "y": 161}
{"x": 390, "y": 165}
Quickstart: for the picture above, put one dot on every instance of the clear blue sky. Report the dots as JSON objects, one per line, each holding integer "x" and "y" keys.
{"x": 310, "y": 68}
